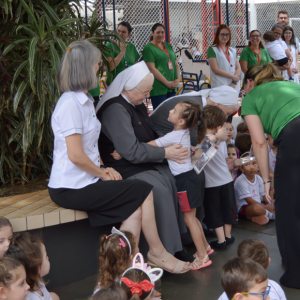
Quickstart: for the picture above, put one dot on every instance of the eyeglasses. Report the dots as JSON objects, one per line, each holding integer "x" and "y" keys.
{"x": 225, "y": 34}
{"x": 265, "y": 294}
{"x": 255, "y": 36}
{"x": 277, "y": 33}
{"x": 144, "y": 93}
{"x": 124, "y": 32}
{"x": 283, "y": 18}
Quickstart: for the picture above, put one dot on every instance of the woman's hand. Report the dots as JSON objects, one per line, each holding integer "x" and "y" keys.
{"x": 123, "y": 48}
{"x": 113, "y": 174}
{"x": 235, "y": 78}
{"x": 116, "y": 155}
{"x": 176, "y": 154}
{"x": 172, "y": 84}
{"x": 295, "y": 70}
{"x": 267, "y": 192}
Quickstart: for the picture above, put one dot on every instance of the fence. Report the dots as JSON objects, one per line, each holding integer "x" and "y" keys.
{"x": 193, "y": 22}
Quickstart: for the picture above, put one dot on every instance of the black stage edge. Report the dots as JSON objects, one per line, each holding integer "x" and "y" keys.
{"x": 73, "y": 250}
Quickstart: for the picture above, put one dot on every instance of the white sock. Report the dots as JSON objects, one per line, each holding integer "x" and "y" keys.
{"x": 270, "y": 215}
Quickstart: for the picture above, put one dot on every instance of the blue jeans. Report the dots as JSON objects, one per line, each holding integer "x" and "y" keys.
{"x": 156, "y": 100}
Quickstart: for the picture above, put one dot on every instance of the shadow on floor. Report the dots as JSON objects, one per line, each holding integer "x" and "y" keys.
{"x": 202, "y": 284}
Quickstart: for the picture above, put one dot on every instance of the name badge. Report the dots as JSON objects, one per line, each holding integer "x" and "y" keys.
{"x": 170, "y": 65}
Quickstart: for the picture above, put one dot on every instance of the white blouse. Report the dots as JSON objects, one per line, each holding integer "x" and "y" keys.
{"x": 74, "y": 113}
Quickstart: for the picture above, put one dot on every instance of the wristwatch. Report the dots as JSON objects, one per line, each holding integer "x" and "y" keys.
{"x": 234, "y": 82}
{"x": 217, "y": 139}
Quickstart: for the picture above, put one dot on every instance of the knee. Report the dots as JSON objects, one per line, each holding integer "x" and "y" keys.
{"x": 258, "y": 209}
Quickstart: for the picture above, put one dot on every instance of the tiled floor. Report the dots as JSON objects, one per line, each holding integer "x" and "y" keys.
{"x": 36, "y": 210}
{"x": 202, "y": 284}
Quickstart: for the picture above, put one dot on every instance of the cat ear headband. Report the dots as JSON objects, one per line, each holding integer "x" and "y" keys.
{"x": 118, "y": 232}
{"x": 153, "y": 274}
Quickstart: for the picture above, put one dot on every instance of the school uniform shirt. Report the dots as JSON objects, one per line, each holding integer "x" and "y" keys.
{"x": 216, "y": 170}
{"x": 35, "y": 296}
{"x": 152, "y": 53}
{"x": 177, "y": 137}
{"x": 224, "y": 65}
{"x": 272, "y": 160}
{"x": 252, "y": 58}
{"x": 276, "y": 49}
{"x": 232, "y": 141}
{"x": 293, "y": 51}
{"x": 131, "y": 56}
{"x": 263, "y": 102}
{"x": 244, "y": 188}
{"x": 74, "y": 114}
{"x": 276, "y": 292}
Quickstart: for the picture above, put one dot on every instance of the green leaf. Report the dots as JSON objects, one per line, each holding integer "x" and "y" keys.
{"x": 55, "y": 59}
{"x": 16, "y": 132}
{"x": 62, "y": 23}
{"x": 12, "y": 46}
{"x": 16, "y": 167}
{"x": 32, "y": 52}
{"x": 42, "y": 27}
{"x": 27, "y": 27}
{"x": 61, "y": 44}
{"x": 21, "y": 88}
{"x": 17, "y": 73}
{"x": 29, "y": 106}
{"x": 50, "y": 12}
{"x": 29, "y": 11}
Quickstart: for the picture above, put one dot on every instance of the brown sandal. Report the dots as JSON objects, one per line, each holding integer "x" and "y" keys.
{"x": 200, "y": 264}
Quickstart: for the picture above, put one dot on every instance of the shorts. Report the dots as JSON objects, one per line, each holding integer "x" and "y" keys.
{"x": 282, "y": 62}
{"x": 242, "y": 210}
{"x": 219, "y": 206}
{"x": 188, "y": 190}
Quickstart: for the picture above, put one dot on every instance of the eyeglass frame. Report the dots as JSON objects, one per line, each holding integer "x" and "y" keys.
{"x": 225, "y": 34}
{"x": 255, "y": 36}
{"x": 267, "y": 292}
{"x": 144, "y": 93}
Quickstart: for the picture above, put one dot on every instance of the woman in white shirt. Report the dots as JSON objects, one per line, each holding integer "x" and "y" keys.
{"x": 288, "y": 37}
{"x": 79, "y": 180}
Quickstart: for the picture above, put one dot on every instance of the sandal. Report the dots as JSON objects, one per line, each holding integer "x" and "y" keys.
{"x": 160, "y": 263}
{"x": 200, "y": 264}
{"x": 260, "y": 220}
{"x": 208, "y": 250}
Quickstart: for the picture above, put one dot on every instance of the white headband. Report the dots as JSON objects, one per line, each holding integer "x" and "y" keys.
{"x": 116, "y": 231}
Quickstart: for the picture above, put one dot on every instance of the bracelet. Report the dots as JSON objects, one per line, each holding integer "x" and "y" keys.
{"x": 267, "y": 181}
{"x": 103, "y": 166}
{"x": 217, "y": 139}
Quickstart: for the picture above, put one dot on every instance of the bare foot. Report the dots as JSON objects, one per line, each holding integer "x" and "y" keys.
{"x": 156, "y": 294}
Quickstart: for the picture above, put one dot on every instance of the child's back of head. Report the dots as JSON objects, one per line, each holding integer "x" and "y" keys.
{"x": 115, "y": 256}
{"x": 112, "y": 292}
{"x": 243, "y": 143}
{"x": 240, "y": 275}
{"x": 242, "y": 128}
{"x": 255, "y": 249}
{"x": 214, "y": 116}
{"x": 269, "y": 36}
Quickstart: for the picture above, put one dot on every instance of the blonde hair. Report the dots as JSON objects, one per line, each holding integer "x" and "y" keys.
{"x": 262, "y": 74}
{"x": 77, "y": 67}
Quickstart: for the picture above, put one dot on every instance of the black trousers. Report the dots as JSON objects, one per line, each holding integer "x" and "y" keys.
{"x": 287, "y": 206}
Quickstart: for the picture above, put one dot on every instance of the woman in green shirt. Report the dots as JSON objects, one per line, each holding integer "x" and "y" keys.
{"x": 272, "y": 106}
{"x": 121, "y": 56}
{"x": 162, "y": 63}
{"x": 255, "y": 53}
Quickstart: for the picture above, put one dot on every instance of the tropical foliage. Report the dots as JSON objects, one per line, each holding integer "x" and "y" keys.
{"x": 33, "y": 36}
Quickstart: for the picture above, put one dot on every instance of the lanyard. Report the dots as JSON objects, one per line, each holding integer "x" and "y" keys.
{"x": 125, "y": 61}
{"x": 259, "y": 55}
{"x": 226, "y": 55}
{"x": 165, "y": 49}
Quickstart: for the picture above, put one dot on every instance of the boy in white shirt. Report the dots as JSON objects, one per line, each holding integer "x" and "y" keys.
{"x": 249, "y": 188}
{"x": 219, "y": 200}
{"x": 257, "y": 250}
{"x": 276, "y": 51}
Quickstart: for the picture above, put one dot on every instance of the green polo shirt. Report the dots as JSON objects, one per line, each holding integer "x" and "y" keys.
{"x": 212, "y": 53}
{"x": 251, "y": 58}
{"x": 152, "y": 53}
{"x": 276, "y": 103}
{"x": 131, "y": 56}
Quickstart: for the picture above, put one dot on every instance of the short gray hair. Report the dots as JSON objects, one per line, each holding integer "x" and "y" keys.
{"x": 77, "y": 67}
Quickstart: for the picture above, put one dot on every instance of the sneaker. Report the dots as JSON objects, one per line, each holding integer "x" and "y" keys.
{"x": 229, "y": 240}
{"x": 260, "y": 220}
{"x": 291, "y": 79}
{"x": 217, "y": 245}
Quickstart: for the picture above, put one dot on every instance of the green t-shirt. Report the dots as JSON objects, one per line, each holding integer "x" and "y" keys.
{"x": 212, "y": 53}
{"x": 152, "y": 53}
{"x": 96, "y": 91}
{"x": 249, "y": 56}
{"x": 276, "y": 103}
{"x": 131, "y": 56}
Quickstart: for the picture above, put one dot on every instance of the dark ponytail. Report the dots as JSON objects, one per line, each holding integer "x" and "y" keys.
{"x": 192, "y": 114}
{"x": 154, "y": 27}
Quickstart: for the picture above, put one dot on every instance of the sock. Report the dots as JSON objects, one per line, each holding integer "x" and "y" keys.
{"x": 229, "y": 237}
{"x": 270, "y": 215}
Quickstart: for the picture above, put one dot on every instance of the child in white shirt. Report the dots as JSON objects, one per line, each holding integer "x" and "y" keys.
{"x": 276, "y": 51}
{"x": 257, "y": 250}
{"x": 219, "y": 200}
{"x": 249, "y": 189}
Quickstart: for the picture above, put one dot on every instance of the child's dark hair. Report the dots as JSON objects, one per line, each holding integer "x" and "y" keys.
{"x": 127, "y": 25}
{"x": 113, "y": 257}
{"x": 242, "y": 128}
{"x": 233, "y": 146}
{"x": 255, "y": 249}
{"x": 112, "y": 292}
{"x": 240, "y": 274}
{"x": 214, "y": 116}
{"x": 30, "y": 246}
{"x": 191, "y": 113}
{"x": 4, "y": 222}
{"x": 154, "y": 27}
{"x": 243, "y": 143}
{"x": 7, "y": 266}
{"x": 269, "y": 36}
{"x": 136, "y": 275}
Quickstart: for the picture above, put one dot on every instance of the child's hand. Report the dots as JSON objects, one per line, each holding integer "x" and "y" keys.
{"x": 193, "y": 150}
{"x": 116, "y": 155}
